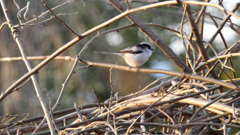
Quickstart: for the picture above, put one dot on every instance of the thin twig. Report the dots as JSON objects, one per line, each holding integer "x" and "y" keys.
{"x": 45, "y": 4}
{"x": 2, "y": 25}
{"x": 96, "y": 98}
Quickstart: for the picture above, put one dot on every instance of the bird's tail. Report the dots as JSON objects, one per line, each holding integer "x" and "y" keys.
{"x": 111, "y": 53}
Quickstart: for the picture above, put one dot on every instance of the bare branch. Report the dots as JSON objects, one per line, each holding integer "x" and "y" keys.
{"x": 142, "y": 70}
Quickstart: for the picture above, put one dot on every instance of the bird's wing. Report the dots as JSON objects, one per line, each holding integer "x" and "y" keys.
{"x": 129, "y": 50}
{"x": 132, "y": 50}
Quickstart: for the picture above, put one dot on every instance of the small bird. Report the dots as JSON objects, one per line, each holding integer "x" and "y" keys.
{"x": 136, "y": 55}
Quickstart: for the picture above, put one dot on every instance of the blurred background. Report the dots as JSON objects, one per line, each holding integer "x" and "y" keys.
{"x": 46, "y": 37}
